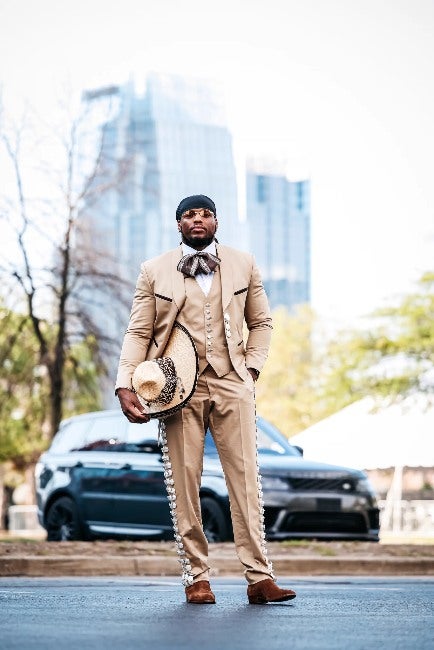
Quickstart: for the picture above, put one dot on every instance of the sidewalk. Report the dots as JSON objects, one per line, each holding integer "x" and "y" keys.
{"x": 122, "y": 558}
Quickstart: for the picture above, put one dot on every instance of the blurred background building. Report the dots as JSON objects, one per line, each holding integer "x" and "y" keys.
{"x": 278, "y": 212}
{"x": 175, "y": 142}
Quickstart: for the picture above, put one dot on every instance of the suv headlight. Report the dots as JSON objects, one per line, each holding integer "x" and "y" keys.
{"x": 43, "y": 475}
{"x": 274, "y": 483}
{"x": 38, "y": 470}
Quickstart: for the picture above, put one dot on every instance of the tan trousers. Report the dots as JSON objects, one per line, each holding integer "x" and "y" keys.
{"x": 227, "y": 406}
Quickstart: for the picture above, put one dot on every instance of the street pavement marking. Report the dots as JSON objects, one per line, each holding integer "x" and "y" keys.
{"x": 11, "y": 591}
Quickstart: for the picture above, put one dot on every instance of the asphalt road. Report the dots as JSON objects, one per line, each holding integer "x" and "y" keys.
{"x": 127, "y": 613}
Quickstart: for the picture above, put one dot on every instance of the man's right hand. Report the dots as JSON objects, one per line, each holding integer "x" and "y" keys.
{"x": 131, "y": 407}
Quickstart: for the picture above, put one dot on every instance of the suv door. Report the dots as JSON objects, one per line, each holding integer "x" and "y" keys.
{"x": 141, "y": 501}
{"x": 98, "y": 469}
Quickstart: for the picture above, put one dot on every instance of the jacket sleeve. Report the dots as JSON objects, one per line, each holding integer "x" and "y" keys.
{"x": 258, "y": 319}
{"x": 139, "y": 331}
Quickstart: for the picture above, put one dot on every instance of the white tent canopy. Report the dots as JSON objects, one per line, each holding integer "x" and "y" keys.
{"x": 401, "y": 434}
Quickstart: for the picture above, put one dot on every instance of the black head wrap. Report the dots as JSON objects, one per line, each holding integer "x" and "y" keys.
{"x": 192, "y": 202}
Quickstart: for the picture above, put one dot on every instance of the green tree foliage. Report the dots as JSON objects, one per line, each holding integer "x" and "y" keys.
{"x": 392, "y": 359}
{"x": 23, "y": 392}
{"x": 24, "y": 387}
{"x": 287, "y": 392}
{"x": 82, "y": 372}
{"x": 308, "y": 377}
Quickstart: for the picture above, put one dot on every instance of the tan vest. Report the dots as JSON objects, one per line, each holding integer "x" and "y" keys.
{"x": 203, "y": 317}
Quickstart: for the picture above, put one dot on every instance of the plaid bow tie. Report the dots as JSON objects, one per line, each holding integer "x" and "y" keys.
{"x": 198, "y": 262}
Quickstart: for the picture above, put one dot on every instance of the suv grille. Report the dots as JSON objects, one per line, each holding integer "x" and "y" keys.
{"x": 324, "y": 522}
{"x": 323, "y": 484}
{"x": 374, "y": 518}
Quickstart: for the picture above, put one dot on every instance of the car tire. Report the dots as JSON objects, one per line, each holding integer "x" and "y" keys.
{"x": 62, "y": 522}
{"x": 214, "y": 522}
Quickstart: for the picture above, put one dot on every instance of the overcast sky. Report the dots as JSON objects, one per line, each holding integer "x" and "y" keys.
{"x": 343, "y": 88}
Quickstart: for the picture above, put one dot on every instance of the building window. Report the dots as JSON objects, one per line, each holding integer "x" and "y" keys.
{"x": 300, "y": 195}
{"x": 261, "y": 189}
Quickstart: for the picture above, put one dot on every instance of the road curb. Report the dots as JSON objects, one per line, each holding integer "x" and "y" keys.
{"x": 37, "y": 566}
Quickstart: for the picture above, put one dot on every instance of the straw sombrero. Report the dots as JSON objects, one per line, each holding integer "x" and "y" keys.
{"x": 165, "y": 385}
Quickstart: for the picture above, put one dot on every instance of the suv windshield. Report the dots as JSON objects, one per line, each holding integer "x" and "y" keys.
{"x": 270, "y": 441}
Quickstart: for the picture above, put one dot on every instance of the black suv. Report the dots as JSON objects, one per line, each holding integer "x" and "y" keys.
{"x": 103, "y": 477}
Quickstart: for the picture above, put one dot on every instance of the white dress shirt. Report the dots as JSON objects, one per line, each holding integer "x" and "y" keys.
{"x": 204, "y": 280}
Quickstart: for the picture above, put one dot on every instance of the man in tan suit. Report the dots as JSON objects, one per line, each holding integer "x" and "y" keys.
{"x": 211, "y": 290}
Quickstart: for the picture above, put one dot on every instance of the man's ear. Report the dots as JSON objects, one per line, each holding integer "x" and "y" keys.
{"x": 216, "y": 223}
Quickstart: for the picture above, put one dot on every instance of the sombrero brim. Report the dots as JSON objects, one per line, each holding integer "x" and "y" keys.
{"x": 182, "y": 350}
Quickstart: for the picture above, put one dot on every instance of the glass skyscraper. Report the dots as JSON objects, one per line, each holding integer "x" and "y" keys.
{"x": 278, "y": 214}
{"x": 175, "y": 142}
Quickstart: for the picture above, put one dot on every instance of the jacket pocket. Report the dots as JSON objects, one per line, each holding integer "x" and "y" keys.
{"x": 236, "y": 293}
{"x": 158, "y": 295}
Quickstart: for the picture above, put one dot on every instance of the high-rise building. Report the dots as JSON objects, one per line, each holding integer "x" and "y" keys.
{"x": 175, "y": 142}
{"x": 278, "y": 214}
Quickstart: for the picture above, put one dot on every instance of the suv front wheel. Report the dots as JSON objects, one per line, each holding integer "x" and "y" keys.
{"x": 62, "y": 522}
{"x": 214, "y": 521}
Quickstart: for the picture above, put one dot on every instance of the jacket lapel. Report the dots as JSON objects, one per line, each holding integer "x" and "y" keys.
{"x": 178, "y": 286}
{"x": 226, "y": 275}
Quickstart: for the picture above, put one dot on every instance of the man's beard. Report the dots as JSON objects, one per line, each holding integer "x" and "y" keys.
{"x": 198, "y": 242}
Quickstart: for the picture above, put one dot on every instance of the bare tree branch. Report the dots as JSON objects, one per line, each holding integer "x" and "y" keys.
{"x": 75, "y": 279}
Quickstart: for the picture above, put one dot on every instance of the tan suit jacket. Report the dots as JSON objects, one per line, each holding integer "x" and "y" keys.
{"x": 160, "y": 295}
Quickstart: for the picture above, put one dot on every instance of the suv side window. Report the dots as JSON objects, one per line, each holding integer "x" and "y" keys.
{"x": 70, "y": 436}
{"x": 139, "y": 432}
{"x": 106, "y": 434}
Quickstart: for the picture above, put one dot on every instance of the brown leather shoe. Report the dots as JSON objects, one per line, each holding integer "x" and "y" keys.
{"x": 200, "y": 593}
{"x": 266, "y": 591}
